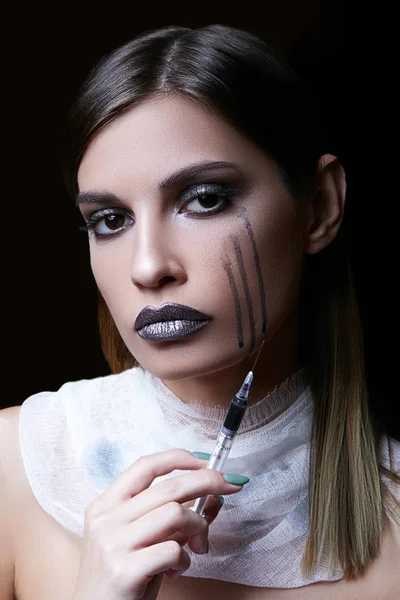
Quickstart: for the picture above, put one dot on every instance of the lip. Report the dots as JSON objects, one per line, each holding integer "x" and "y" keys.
{"x": 167, "y": 331}
{"x": 168, "y": 312}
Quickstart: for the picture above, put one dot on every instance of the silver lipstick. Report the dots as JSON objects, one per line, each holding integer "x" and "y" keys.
{"x": 170, "y": 321}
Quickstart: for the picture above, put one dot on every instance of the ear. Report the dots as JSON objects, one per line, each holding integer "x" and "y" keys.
{"x": 326, "y": 207}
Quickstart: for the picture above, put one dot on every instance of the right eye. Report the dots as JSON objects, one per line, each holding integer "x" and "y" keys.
{"x": 107, "y": 223}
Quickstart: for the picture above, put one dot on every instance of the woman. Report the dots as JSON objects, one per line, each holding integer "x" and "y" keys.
{"x": 215, "y": 217}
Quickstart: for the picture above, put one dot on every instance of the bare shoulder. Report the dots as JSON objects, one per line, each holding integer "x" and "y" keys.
{"x": 9, "y": 448}
{"x": 9, "y": 420}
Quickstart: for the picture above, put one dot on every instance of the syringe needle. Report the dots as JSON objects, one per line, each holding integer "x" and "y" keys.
{"x": 258, "y": 354}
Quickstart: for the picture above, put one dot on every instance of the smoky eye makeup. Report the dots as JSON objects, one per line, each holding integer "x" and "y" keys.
{"x": 107, "y": 222}
{"x": 199, "y": 201}
{"x": 206, "y": 199}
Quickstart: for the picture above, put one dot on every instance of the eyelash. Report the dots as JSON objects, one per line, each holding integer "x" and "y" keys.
{"x": 202, "y": 192}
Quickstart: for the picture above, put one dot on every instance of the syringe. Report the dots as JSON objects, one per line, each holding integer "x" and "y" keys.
{"x": 228, "y": 431}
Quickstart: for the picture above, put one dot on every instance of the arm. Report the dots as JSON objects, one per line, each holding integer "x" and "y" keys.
{"x": 7, "y": 430}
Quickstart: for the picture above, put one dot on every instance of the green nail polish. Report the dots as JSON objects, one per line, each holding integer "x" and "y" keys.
{"x": 235, "y": 479}
{"x": 203, "y": 455}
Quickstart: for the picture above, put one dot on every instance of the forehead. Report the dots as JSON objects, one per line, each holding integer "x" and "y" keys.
{"x": 159, "y": 136}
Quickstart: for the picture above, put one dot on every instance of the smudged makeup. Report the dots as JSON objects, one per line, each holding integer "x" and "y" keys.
{"x": 243, "y": 215}
{"x": 236, "y": 300}
{"x": 227, "y": 265}
{"x": 242, "y": 271}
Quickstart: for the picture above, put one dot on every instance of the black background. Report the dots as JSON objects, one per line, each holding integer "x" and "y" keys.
{"x": 49, "y": 296}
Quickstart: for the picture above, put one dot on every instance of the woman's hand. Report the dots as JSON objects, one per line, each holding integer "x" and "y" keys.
{"x": 134, "y": 533}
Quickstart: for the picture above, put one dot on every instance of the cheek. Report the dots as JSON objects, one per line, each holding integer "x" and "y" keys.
{"x": 100, "y": 268}
{"x": 279, "y": 233}
{"x": 282, "y": 254}
{"x": 109, "y": 274}
{"x": 282, "y": 261}
{"x": 278, "y": 247}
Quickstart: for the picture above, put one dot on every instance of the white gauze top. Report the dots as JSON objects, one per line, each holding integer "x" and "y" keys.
{"x": 76, "y": 441}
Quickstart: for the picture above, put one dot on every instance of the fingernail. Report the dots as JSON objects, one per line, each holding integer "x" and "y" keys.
{"x": 203, "y": 455}
{"x": 235, "y": 479}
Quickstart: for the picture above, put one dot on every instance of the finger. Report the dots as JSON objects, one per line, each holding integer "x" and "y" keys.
{"x": 166, "y": 557}
{"x": 165, "y": 521}
{"x": 212, "y": 507}
{"x": 141, "y": 474}
{"x": 181, "y": 488}
{"x": 211, "y": 510}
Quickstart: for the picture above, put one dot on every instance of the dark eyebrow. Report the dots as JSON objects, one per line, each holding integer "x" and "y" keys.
{"x": 94, "y": 197}
{"x": 194, "y": 171}
{"x": 177, "y": 179}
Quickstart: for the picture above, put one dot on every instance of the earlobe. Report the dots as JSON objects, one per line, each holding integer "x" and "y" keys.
{"x": 326, "y": 208}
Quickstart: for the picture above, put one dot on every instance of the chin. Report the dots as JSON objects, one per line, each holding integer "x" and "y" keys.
{"x": 189, "y": 364}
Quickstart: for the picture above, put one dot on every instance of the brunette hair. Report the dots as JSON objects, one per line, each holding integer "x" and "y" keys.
{"x": 240, "y": 78}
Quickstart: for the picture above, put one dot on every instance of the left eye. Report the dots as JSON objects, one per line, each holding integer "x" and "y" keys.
{"x": 208, "y": 200}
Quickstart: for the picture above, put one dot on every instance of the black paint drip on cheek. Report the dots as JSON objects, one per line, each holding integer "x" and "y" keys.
{"x": 239, "y": 258}
{"x": 239, "y": 326}
{"x": 242, "y": 214}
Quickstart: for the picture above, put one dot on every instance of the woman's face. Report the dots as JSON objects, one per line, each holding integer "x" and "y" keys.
{"x": 226, "y": 241}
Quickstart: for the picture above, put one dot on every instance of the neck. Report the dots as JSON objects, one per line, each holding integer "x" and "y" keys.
{"x": 278, "y": 361}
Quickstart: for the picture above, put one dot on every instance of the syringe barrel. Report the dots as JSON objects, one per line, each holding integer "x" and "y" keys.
{"x": 235, "y": 414}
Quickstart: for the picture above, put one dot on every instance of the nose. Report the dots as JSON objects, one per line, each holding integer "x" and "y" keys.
{"x": 155, "y": 259}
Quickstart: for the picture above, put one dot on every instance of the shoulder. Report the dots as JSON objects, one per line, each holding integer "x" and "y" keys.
{"x": 85, "y": 388}
{"x": 61, "y": 436}
{"x": 8, "y": 422}
{"x": 59, "y": 409}
{"x": 9, "y": 418}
